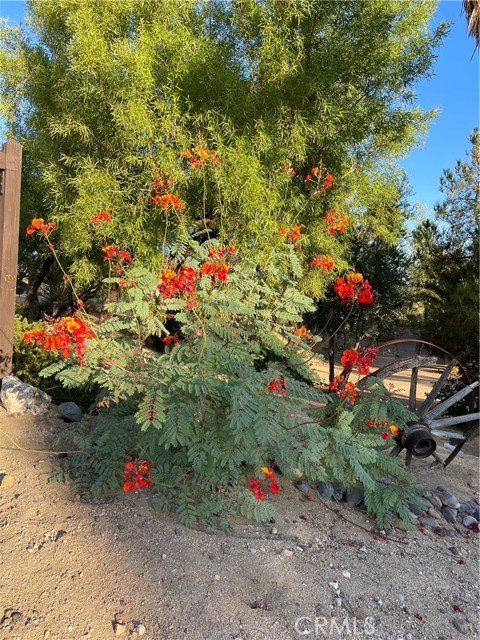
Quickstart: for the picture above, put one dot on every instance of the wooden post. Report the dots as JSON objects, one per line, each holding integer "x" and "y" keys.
{"x": 10, "y": 179}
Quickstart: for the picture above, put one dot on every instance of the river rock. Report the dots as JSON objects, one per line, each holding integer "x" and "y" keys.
{"x": 429, "y": 522}
{"x": 469, "y": 521}
{"x": 449, "y": 514}
{"x": 449, "y": 500}
{"x": 337, "y": 491}
{"x": 435, "y": 501}
{"x": 69, "y": 411}
{"x": 461, "y": 625}
{"x": 19, "y": 397}
{"x": 325, "y": 489}
{"x": 414, "y": 508}
{"x": 354, "y": 497}
{"x": 302, "y": 486}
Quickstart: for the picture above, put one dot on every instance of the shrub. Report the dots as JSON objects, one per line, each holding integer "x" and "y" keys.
{"x": 232, "y": 393}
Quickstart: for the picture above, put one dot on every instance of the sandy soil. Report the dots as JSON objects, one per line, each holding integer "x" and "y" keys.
{"x": 69, "y": 567}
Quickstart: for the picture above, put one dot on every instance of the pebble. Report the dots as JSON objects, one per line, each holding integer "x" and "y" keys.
{"x": 449, "y": 500}
{"x": 141, "y": 630}
{"x": 69, "y": 411}
{"x": 360, "y": 614}
{"x": 435, "y": 502}
{"x": 325, "y": 489}
{"x": 434, "y": 513}
{"x": 338, "y": 602}
{"x": 400, "y": 597}
{"x": 465, "y": 507}
{"x": 469, "y": 521}
{"x": 274, "y": 530}
{"x": 461, "y": 625}
{"x": 450, "y": 533}
{"x": 6, "y": 481}
{"x": 354, "y": 497}
{"x": 345, "y": 573}
{"x": 473, "y": 484}
{"x": 119, "y": 628}
{"x": 450, "y": 514}
{"x": 363, "y": 549}
{"x": 302, "y": 486}
{"x": 455, "y": 551}
{"x": 217, "y": 577}
{"x": 334, "y": 585}
{"x": 286, "y": 553}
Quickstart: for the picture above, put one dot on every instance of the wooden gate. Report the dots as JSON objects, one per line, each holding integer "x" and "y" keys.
{"x": 10, "y": 179}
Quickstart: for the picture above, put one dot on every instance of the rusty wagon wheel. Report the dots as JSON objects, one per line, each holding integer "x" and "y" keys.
{"x": 420, "y": 439}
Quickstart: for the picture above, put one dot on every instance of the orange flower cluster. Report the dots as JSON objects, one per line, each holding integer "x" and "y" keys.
{"x": 323, "y": 183}
{"x": 302, "y": 332}
{"x": 161, "y": 196}
{"x": 201, "y": 157}
{"x": 354, "y": 287}
{"x": 278, "y": 385}
{"x": 64, "y": 334}
{"x": 394, "y": 431}
{"x": 38, "y": 224}
{"x": 257, "y": 490}
{"x": 175, "y": 283}
{"x": 167, "y": 199}
{"x": 98, "y": 217}
{"x": 344, "y": 389}
{"x": 217, "y": 269}
{"x": 325, "y": 263}
{"x": 352, "y": 358}
{"x": 135, "y": 475}
{"x": 293, "y": 235}
{"x": 336, "y": 221}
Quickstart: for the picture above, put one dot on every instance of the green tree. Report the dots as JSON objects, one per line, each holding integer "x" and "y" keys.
{"x": 446, "y": 262}
{"x": 106, "y": 97}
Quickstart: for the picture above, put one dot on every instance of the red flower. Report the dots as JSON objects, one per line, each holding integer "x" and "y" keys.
{"x": 30, "y": 229}
{"x": 124, "y": 255}
{"x": 295, "y": 233}
{"x": 98, "y": 217}
{"x": 278, "y": 385}
{"x": 171, "y": 341}
{"x": 385, "y": 435}
{"x": 134, "y": 475}
{"x": 336, "y": 221}
{"x": 349, "y": 358}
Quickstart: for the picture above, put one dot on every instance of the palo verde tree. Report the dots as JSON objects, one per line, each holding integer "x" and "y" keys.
{"x": 109, "y": 97}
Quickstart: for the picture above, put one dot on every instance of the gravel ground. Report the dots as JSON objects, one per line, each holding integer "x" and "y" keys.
{"x": 70, "y": 569}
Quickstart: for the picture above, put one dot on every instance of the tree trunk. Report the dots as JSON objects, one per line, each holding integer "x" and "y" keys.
{"x": 36, "y": 284}
{"x": 331, "y": 358}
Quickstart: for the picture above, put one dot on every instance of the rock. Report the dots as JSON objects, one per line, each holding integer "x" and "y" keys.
{"x": 302, "y": 486}
{"x": 461, "y": 625}
{"x": 428, "y": 522}
{"x": 273, "y": 530}
{"x": 435, "y": 502}
{"x": 455, "y": 551}
{"x": 449, "y": 514}
{"x": 465, "y": 507}
{"x": 334, "y": 585}
{"x": 6, "y": 481}
{"x": 345, "y": 573}
{"x": 440, "y": 489}
{"x": 473, "y": 484}
{"x": 337, "y": 491}
{"x": 19, "y": 398}
{"x": 360, "y": 614}
{"x": 476, "y": 514}
{"x": 400, "y": 597}
{"x": 414, "y": 509}
{"x": 69, "y": 411}
{"x": 434, "y": 513}
{"x": 119, "y": 628}
{"x": 325, "y": 489}
{"x": 469, "y": 521}
{"x": 450, "y": 533}
{"x": 424, "y": 503}
{"x": 141, "y": 630}
{"x": 354, "y": 497}
{"x": 286, "y": 553}
{"x": 449, "y": 500}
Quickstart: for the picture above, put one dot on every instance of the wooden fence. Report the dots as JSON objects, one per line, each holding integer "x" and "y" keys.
{"x": 10, "y": 179}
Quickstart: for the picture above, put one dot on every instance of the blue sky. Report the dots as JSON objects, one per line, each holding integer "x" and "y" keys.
{"x": 454, "y": 89}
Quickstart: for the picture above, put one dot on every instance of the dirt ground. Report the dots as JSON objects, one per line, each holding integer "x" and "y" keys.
{"x": 68, "y": 567}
